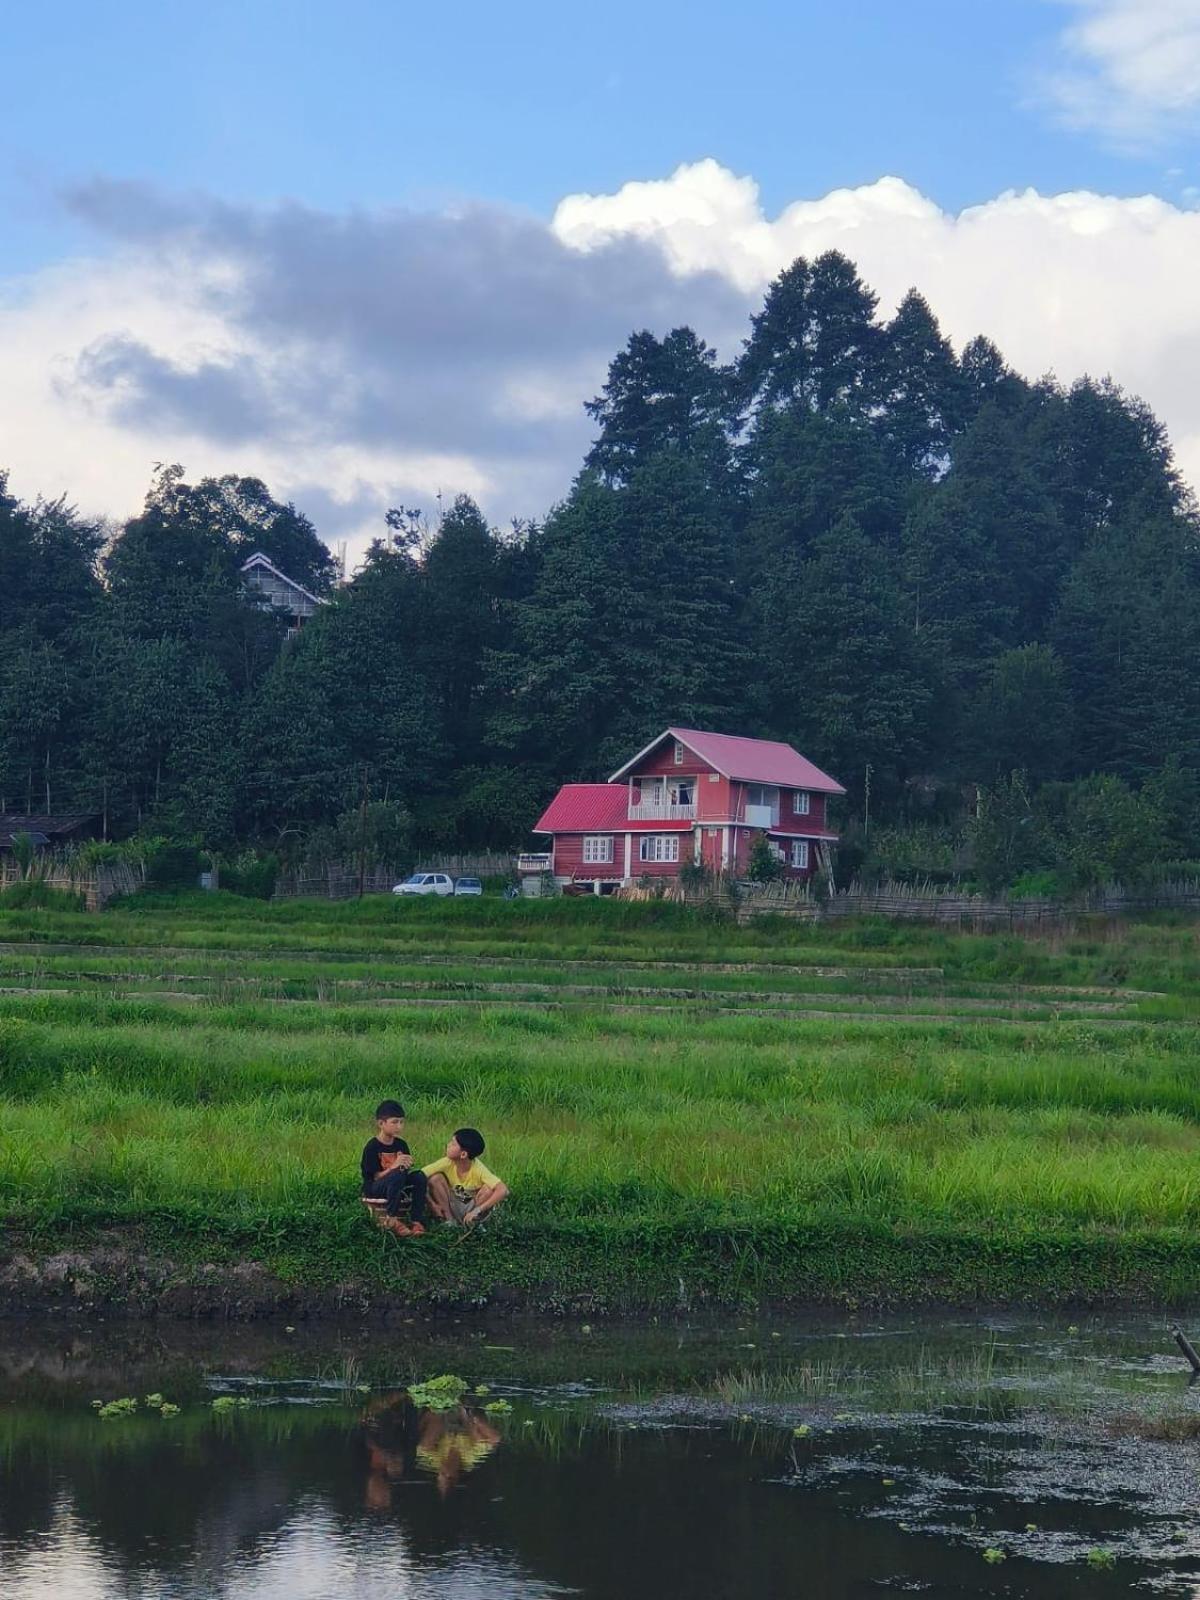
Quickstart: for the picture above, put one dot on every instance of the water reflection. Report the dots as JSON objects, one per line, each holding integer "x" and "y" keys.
{"x": 400, "y": 1438}
{"x": 321, "y": 1490}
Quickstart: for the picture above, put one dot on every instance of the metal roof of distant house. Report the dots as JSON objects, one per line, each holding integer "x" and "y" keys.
{"x": 750, "y": 760}
{"x": 259, "y": 561}
{"x": 44, "y": 829}
{"x": 597, "y": 808}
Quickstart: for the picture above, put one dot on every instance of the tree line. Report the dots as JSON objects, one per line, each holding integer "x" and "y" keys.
{"x": 924, "y": 570}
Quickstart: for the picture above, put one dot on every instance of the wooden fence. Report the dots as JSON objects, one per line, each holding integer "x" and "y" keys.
{"x": 929, "y": 903}
{"x": 96, "y": 884}
{"x": 923, "y": 903}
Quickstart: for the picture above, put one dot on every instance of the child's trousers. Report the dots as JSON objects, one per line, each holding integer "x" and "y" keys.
{"x": 400, "y": 1186}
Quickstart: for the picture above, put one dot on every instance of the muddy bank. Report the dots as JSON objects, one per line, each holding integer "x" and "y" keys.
{"x": 147, "y": 1272}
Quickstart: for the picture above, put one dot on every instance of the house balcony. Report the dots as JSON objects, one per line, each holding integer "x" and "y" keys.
{"x": 662, "y": 811}
{"x": 762, "y": 817}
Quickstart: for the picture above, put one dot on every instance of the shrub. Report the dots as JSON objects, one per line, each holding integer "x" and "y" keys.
{"x": 765, "y": 866}
{"x": 171, "y": 864}
{"x": 1045, "y": 884}
{"x": 1005, "y": 833}
{"x": 31, "y": 894}
{"x": 251, "y": 875}
{"x": 1098, "y": 831}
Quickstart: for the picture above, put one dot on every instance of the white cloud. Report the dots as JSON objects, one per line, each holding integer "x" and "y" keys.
{"x": 1128, "y": 68}
{"x": 357, "y": 362}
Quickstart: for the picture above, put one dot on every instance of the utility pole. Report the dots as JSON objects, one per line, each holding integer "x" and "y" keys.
{"x": 362, "y": 830}
{"x": 867, "y": 799}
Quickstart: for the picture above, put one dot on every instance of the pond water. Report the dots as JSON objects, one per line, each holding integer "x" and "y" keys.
{"x": 845, "y": 1458}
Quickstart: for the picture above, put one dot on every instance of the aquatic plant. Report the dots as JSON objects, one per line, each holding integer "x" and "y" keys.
{"x": 114, "y": 1410}
{"x": 444, "y": 1393}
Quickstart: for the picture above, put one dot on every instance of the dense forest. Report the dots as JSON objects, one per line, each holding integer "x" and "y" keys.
{"x": 970, "y": 594}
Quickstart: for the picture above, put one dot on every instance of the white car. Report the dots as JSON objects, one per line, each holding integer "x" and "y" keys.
{"x": 426, "y": 883}
{"x": 468, "y": 886}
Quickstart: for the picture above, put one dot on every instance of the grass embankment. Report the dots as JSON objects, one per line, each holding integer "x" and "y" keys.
{"x": 686, "y": 1111}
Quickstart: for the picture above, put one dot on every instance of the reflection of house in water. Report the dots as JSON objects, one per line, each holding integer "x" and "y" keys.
{"x": 277, "y": 592}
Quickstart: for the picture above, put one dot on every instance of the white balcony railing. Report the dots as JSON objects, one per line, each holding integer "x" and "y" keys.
{"x": 662, "y": 811}
{"x": 762, "y": 817}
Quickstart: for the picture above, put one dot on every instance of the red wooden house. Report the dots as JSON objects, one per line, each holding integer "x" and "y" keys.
{"x": 690, "y": 797}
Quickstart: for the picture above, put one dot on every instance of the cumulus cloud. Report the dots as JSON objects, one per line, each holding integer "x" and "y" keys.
{"x": 359, "y": 360}
{"x": 389, "y": 349}
{"x": 1128, "y": 68}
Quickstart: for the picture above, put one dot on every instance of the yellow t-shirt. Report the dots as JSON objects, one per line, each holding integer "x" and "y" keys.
{"x": 469, "y": 1450}
{"x": 464, "y": 1184}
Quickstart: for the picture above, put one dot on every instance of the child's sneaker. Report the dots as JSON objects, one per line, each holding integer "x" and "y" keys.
{"x": 394, "y": 1225}
{"x": 416, "y": 1228}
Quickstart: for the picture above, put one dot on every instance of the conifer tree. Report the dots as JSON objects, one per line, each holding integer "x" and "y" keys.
{"x": 923, "y": 391}
{"x": 815, "y": 342}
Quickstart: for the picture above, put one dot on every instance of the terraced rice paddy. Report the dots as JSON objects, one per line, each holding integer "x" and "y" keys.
{"x": 685, "y": 1110}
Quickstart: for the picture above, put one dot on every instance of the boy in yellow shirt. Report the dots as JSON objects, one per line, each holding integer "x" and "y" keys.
{"x": 461, "y": 1189}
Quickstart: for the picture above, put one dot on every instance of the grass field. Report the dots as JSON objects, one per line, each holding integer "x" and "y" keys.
{"x": 686, "y": 1111}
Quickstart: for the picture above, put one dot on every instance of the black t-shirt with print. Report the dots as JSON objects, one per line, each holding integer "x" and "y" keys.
{"x": 372, "y": 1159}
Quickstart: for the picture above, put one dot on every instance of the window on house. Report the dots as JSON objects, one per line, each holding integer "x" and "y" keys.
{"x": 801, "y": 802}
{"x": 658, "y": 847}
{"x": 678, "y": 754}
{"x": 800, "y": 852}
{"x": 597, "y": 847}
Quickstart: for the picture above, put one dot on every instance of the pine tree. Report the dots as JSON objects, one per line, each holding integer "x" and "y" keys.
{"x": 663, "y": 395}
{"x": 1021, "y": 718}
{"x": 923, "y": 390}
{"x": 845, "y": 677}
{"x": 815, "y": 343}
{"x": 457, "y": 621}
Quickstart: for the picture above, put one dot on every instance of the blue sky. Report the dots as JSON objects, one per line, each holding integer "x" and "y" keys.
{"x": 372, "y": 250}
{"x": 370, "y": 102}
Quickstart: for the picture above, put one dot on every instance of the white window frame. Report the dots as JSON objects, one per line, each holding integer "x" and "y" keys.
{"x": 678, "y": 753}
{"x": 658, "y": 847}
{"x": 801, "y": 803}
{"x": 800, "y": 854}
{"x": 597, "y": 849}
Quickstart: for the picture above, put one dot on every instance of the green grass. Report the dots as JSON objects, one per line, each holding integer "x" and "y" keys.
{"x": 671, "y": 1135}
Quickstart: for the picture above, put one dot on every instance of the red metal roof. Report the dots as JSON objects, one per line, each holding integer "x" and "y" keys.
{"x": 597, "y": 808}
{"x": 751, "y": 760}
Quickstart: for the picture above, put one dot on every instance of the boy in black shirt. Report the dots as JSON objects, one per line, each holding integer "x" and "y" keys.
{"x": 388, "y": 1173}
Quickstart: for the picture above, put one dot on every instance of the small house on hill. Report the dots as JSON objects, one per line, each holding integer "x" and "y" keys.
{"x": 47, "y": 832}
{"x": 275, "y": 591}
{"x": 692, "y": 797}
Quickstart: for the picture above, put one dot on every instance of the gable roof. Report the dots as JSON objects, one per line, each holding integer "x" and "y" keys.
{"x": 42, "y": 828}
{"x": 751, "y": 760}
{"x": 260, "y": 563}
{"x": 597, "y": 808}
